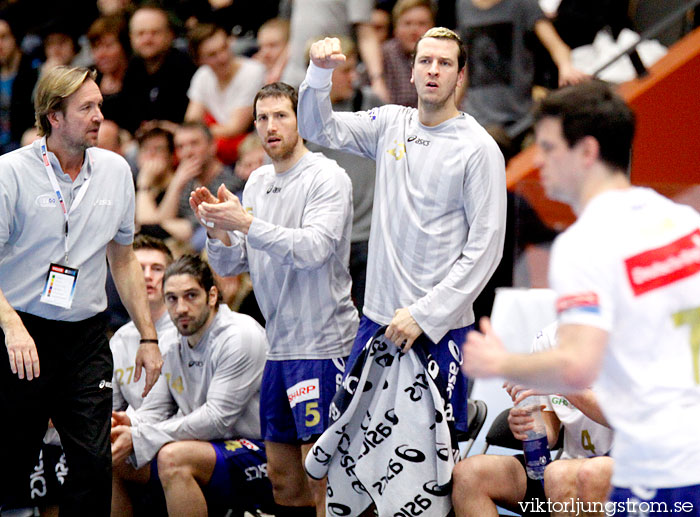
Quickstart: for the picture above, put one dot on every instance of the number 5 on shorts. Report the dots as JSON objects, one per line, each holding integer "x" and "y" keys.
{"x": 313, "y": 415}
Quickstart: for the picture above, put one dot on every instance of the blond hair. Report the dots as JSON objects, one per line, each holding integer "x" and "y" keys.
{"x": 404, "y": 5}
{"x": 277, "y": 23}
{"x": 53, "y": 88}
{"x": 448, "y": 34}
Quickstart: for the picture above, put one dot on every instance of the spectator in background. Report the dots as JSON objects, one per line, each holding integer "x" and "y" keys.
{"x": 158, "y": 75}
{"x": 222, "y": 90}
{"x": 198, "y": 167}
{"x": 381, "y": 23}
{"x": 345, "y": 96}
{"x": 155, "y": 162}
{"x": 109, "y": 7}
{"x": 17, "y": 79}
{"x": 411, "y": 19}
{"x": 498, "y": 35}
{"x": 60, "y": 43}
{"x": 239, "y": 18}
{"x": 109, "y": 42}
{"x": 111, "y": 137}
{"x": 251, "y": 155}
{"x": 273, "y": 48}
{"x": 309, "y": 19}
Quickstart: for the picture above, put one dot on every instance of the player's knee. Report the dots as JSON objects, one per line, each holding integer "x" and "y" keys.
{"x": 593, "y": 480}
{"x": 554, "y": 480}
{"x": 171, "y": 465}
{"x": 469, "y": 475}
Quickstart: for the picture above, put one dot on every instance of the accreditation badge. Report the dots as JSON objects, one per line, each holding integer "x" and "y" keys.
{"x": 60, "y": 286}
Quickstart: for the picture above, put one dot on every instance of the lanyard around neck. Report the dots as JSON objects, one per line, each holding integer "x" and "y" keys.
{"x": 59, "y": 195}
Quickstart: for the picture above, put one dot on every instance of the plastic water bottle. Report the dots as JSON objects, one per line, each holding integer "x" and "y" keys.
{"x": 536, "y": 447}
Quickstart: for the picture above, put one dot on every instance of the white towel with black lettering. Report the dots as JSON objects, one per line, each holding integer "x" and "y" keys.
{"x": 389, "y": 441}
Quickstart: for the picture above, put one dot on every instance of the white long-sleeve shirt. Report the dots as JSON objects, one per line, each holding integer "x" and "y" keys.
{"x": 125, "y": 343}
{"x": 211, "y": 391}
{"x": 297, "y": 251}
{"x": 438, "y": 222}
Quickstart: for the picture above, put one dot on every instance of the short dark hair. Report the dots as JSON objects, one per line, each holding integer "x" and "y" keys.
{"x": 199, "y": 34}
{"x": 278, "y": 89}
{"x": 195, "y": 267}
{"x": 148, "y": 242}
{"x": 593, "y": 109}
{"x": 447, "y": 34}
{"x": 154, "y": 132}
{"x": 110, "y": 24}
{"x": 200, "y": 126}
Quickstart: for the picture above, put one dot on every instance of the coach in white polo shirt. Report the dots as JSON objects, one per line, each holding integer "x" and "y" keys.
{"x": 65, "y": 206}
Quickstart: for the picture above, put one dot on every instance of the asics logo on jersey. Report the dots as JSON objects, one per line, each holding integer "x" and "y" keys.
{"x": 415, "y": 140}
{"x": 195, "y": 363}
{"x": 662, "y": 266}
{"x": 272, "y": 189}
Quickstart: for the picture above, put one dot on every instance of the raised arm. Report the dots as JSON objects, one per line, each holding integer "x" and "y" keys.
{"x": 573, "y": 365}
{"x": 353, "y": 132}
{"x": 560, "y": 52}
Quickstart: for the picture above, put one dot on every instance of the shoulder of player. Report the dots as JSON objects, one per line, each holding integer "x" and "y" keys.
{"x": 15, "y": 163}
{"x": 320, "y": 167}
{"x": 107, "y": 162}
{"x": 393, "y": 113}
{"x": 168, "y": 339}
{"x": 124, "y": 334}
{"x": 472, "y": 134}
{"x": 236, "y": 330}
{"x": 258, "y": 175}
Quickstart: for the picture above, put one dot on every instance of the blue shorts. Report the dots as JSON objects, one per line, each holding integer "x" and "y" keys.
{"x": 683, "y": 500}
{"x": 448, "y": 355}
{"x": 240, "y": 477}
{"x": 295, "y": 397}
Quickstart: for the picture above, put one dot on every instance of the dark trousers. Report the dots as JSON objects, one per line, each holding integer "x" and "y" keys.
{"x": 74, "y": 391}
{"x": 358, "y": 272}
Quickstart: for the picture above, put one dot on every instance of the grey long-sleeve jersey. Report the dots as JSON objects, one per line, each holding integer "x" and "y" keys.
{"x": 211, "y": 391}
{"x": 297, "y": 251}
{"x": 438, "y": 222}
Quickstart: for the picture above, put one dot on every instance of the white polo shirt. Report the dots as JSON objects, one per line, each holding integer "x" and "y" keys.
{"x": 32, "y": 228}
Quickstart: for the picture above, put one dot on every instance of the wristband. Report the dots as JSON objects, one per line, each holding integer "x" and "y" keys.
{"x": 145, "y": 340}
